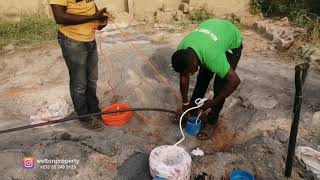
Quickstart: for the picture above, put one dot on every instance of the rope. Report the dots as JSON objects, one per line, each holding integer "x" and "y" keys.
{"x": 140, "y": 53}
{"x": 110, "y": 66}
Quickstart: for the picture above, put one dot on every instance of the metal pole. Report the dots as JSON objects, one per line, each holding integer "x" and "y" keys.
{"x": 300, "y": 76}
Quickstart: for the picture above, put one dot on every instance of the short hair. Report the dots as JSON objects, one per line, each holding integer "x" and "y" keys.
{"x": 182, "y": 59}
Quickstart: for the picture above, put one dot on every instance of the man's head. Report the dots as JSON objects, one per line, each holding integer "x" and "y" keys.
{"x": 185, "y": 61}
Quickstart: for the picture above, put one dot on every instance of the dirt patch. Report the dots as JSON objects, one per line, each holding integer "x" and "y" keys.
{"x": 221, "y": 140}
{"x": 16, "y": 91}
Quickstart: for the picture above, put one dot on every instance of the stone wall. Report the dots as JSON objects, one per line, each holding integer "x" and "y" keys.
{"x": 137, "y": 8}
{"x": 17, "y": 7}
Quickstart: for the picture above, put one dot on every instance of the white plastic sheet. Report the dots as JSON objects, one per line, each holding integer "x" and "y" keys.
{"x": 52, "y": 111}
{"x": 311, "y": 158}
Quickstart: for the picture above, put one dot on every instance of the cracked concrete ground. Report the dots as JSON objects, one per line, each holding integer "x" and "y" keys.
{"x": 252, "y": 134}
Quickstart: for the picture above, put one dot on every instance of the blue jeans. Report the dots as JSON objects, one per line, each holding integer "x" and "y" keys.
{"x": 82, "y": 61}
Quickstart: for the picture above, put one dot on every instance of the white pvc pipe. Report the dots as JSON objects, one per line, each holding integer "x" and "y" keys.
{"x": 199, "y": 102}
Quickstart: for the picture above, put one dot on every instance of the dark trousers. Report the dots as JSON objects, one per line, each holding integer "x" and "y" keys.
{"x": 82, "y": 61}
{"x": 205, "y": 76}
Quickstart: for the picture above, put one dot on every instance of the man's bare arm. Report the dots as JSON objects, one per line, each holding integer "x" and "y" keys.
{"x": 62, "y": 17}
{"x": 184, "y": 87}
{"x": 232, "y": 82}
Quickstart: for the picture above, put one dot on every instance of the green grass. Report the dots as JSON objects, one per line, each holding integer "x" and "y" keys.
{"x": 28, "y": 30}
{"x": 303, "y": 13}
{"x": 200, "y": 14}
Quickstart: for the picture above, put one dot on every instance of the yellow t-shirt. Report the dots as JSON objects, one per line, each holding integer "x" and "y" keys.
{"x": 81, "y": 32}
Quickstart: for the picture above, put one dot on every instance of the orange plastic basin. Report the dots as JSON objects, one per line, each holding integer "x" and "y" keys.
{"x": 116, "y": 119}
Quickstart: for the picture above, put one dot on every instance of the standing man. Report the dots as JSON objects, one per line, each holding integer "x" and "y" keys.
{"x": 215, "y": 46}
{"x": 78, "y": 20}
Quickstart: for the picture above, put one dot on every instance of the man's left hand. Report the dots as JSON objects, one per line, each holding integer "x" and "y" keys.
{"x": 208, "y": 104}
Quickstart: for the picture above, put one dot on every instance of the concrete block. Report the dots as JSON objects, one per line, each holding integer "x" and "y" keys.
{"x": 177, "y": 15}
{"x": 170, "y": 5}
{"x": 146, "y": 9}
{"x": 163, "y": 16}
{"x": 131, "y": 9}
{"x": 315, "y": 58}
{"x": 316, "y": 119}
{"x": 184, "y": 7}
{"x": 111, "y": 4}
{"x": 9, "y": 47}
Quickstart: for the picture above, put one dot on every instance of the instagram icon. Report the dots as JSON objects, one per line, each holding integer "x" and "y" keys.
{"x": 28, "y": 162}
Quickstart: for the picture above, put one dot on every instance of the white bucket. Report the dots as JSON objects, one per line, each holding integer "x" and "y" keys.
{"x": 170, "y": 162}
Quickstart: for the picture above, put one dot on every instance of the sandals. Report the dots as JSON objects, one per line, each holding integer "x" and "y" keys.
{"x": 92, "y": 124}
{"x": 203, "y": 136}
{"x": 207, "y": 132}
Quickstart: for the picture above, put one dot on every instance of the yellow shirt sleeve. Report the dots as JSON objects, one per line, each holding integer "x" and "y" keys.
{"x": 59, "y": 2}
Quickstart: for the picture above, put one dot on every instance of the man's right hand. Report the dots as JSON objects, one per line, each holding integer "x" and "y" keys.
{"x": 101, "y": 15}
{"x": 62, "y": 17}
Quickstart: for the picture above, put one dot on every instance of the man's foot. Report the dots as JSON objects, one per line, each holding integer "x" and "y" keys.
{"x": 207, "y": 133}
{"x": 92, "y": 124}
{"x": 212, "y": 118}
{"x": 208, "y": 128}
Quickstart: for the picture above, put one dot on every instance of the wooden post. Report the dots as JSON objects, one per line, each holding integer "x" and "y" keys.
{"x": 300, "y": 76}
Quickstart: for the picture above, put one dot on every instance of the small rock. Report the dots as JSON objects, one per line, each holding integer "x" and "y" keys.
{"x": 285, "y": 21}
{"x": 9, "y": 47}
{"x": 281, "y": 136}
{"x": 65, "y": 136}
{"x": 316, "y": 119}
{"x": 315, "y": 59}
{"x": 285, "y": 44}
{"x": 271, "y": 48}
{"x": 163, "y": 26}
{"x": 306, "y": 50}
{"x": 177, "y": 15}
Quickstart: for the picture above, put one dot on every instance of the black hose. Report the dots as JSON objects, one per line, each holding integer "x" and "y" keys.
{"x": 85, "y": 116}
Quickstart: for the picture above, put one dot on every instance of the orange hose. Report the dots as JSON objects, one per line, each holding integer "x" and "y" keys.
{"x": 117, "y": 119}
{"x": 140, "y": 53}
{"x": 110, "y": 66}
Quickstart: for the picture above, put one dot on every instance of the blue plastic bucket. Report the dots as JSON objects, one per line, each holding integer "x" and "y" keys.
{"x": 241, "y": 175}
{"x": 193, "y": 127}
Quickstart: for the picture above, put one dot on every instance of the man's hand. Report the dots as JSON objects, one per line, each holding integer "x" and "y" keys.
{"x": 101, "y": 15}
{"x": 62, "y": 17}
{"x": 208, "y": 104}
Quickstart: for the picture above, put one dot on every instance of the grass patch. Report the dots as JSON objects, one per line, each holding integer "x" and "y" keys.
{"x": 200, "y": 14}
{"x": 303, "y": 13}
{"x": 28, "y": 30}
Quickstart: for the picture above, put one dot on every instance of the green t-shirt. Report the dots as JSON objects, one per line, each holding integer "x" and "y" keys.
{"x": 210, "y": 41}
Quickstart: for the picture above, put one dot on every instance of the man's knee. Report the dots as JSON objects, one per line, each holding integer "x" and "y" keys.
{"x": 78, "y": 89}
{"x": 92, "y": 84}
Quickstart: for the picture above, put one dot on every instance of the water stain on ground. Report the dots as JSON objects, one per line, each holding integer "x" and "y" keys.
{"x": 221, "y": 139}
{"x": 16, "y": 91}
